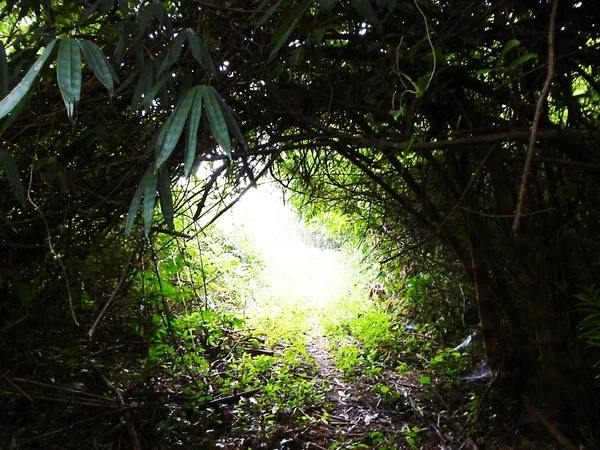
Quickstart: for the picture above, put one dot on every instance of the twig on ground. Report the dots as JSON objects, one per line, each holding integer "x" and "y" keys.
{"x": 549, "y": 424}
{"x": 135, "y": 442}
{"x": 21, "y": 391}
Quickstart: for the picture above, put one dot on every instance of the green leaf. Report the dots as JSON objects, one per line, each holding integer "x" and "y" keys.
{"x": 135, "y": 203}
{"x": 522, "y": 59}
{"x": 125, "y": 28}
{"x": 145, "y": 84}
{"x": 12, "y": 174}
{"x": 200, "y": 52}
{"x": 192, "y": 132}
{"x": 3, "y": 71}
{"x": 230, "y": 119}
{"x": 173, "y": 54}
{"x": 16, "y": 95}
{"x": 166, "y": 197}
{"x": 216, "y": 120}
{"x": 99, "y": 64}
{"x": 16, "y": 112}
{"x": 509, "y": 46}
{"x": 149, "y": 200}
{"x": 267, "y": 15}
{"x": 425, "y": 380}
{"x": 171, "y": 131}
{"x": 287, "y": 26}
{"x": 68, "y": 69}
{"x": 150, "y": 95}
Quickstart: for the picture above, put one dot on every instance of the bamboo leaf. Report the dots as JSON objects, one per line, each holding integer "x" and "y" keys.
{"x": 16, "y": 112}
{"x": 145, "y": 83}
{"x": 200, "y": 52}
{"x": 125, "y": 29}
{"x": 151, "y": 94}
{"x": 14, "y": 97}
{"x": 68, "y": 69}
{"x": 12, "y": 174}
{"x": 267, "y": 15}
{"x": 135, "y": 203}
{"x": 287, "y": 26}
{"x": 171, "y": 131}
{"x": 99, "y": 64}
{"x": 149, "y": 201}
{"x": 216, "y": 120}
{"x": 522, "y": 59}
{"x": 192, "y": 132}
{"x": 230, "y": 119}
{"x": 173, "y": 54}
{"x": 3, "y": 71}
{"x": 166, "y": 197}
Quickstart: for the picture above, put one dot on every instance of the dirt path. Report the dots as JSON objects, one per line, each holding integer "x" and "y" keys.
{"x": 357, "y": 415}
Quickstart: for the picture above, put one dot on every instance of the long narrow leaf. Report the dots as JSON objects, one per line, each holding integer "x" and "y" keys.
{"x": 287, "y": 26}
{"x": 12, "y": 173}
{"x": 166, "y": 197}
{"x": 3, "y": 71}
{"x": 99, "y": 64}
{"x": 192, "y": 132}
{"x": 200, "y": 52}
{"x": 135, "y": 202}
{"x": 145, "y": 83}
{"x": 15, "y": 96}
{"x": 267, "y": 15}
{"x": 68, "y": 69}
{"x": 17, "y": 110}
{"x": 230, "y": 119}
{"x": 216, "y": 120}
{"x": 150, "y": 95}
{"x": 173, "y": 54}
{"x": 171, "y": 130}
{"x": 149, "y": 201}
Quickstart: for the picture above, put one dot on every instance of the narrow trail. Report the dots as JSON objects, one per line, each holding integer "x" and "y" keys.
{"x": 357, "y": 416}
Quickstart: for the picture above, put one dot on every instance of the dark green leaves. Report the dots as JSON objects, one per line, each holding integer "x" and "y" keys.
{"x": 68, "y": 70}
{"x": 147, "y": 190}
{"x": 219, "y": 117}
{"x": 188, "y": 111}
{"x": 7, "y": 162}
{"x": 216, "y": 119}
{"x": 192, "y": 133}
{"x": 199, "y": 52}
{"x": 171, "y": 131}
{"x": 287, "y": 26}
{"x": 21, "y": 90}
{"x": 99, "y": 65}
{"x": 166, "y": 198}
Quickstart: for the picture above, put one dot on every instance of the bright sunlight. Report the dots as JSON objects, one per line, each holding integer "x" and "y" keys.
{"x": 301, "y": 281}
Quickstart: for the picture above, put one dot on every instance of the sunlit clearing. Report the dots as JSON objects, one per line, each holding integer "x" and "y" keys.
{"x": 300, "y": 281}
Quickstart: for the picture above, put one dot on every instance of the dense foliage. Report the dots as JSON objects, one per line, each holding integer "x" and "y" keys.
{"x": 461, "y": 136}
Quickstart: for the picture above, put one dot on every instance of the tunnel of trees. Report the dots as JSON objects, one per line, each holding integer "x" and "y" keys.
{"x": 462, "y": 135}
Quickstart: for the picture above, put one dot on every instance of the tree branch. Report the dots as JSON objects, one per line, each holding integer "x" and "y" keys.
{"x": 536, "y": 118}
